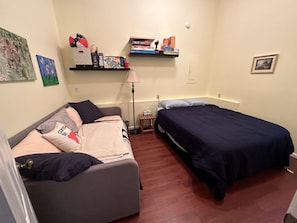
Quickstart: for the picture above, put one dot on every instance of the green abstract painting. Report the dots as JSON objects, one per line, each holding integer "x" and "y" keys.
{"x": 15, "y": 60}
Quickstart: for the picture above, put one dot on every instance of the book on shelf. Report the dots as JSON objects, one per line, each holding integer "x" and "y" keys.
{"x": 141, "y": 51}
{"x": 171, "y": 52}
{"x": 141, "y": 41}
{"x": 144, "y": 47}
{"x": 141, "y": 45}
{"x": 169, "y": 43}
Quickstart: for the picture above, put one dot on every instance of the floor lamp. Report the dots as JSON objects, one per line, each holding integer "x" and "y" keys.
{"x": 132, "y": 78}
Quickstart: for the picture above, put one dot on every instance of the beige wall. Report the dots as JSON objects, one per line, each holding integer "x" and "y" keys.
{"x": 22, "y": 103}
{"x": 109, "y": 27}
{"x": 248, "y": 28}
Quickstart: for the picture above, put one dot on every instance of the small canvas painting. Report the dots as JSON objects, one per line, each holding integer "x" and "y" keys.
{"x": 48, "y": 71}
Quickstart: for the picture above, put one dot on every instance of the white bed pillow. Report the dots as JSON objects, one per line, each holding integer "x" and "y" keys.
{"x": 174, "y": 103}
{"x": 34, "y": 143}
{"x": 63, "y": 137}
{"x": 195, "y": 101}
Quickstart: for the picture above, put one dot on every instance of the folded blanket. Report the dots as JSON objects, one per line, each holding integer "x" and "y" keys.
{"x": 103, "y": 139}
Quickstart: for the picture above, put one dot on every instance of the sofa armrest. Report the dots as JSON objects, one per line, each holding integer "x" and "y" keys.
{"x": 102, "y": 193}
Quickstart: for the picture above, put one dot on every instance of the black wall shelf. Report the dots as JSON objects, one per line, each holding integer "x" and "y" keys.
{"x": 98, "y": 69}
{"x": 152, "y": 55}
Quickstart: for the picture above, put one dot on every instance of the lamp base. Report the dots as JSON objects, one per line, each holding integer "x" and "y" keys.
{"x": 134, "y": 131}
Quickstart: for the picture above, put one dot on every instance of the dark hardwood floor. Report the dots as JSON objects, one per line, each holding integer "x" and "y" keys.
{"x": 173, "y": 193}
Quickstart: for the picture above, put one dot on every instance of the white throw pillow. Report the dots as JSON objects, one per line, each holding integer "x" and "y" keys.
{"x": 64, "y": 138}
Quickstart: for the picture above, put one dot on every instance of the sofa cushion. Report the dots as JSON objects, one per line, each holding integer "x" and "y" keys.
{"x": 34, "y": 143}
{"x": 56, "y": 166}
{"x": 63, "y": 137}
{"x": 60, "y": 116}
{"x": 87, "y": 111}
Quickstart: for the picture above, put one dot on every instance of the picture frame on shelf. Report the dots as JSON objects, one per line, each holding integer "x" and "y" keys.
{"x": 264, "y": 64}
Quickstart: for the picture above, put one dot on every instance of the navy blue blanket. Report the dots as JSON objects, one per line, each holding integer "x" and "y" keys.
{"x": 225, "y": 145}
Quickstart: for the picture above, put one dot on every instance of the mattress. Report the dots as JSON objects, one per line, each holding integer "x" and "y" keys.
{"x": 225, "y": 145}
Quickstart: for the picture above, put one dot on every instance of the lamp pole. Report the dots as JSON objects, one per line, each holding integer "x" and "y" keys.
{"x": 134, "y": 131}
{"x": 133, "y": 79}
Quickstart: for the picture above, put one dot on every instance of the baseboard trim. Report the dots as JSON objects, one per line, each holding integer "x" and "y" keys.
{"x": 294, "y": 155}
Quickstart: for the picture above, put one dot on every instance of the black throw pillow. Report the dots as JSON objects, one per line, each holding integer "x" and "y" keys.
{"x": 87, "y": 111}
{"x": 56, "y": 166}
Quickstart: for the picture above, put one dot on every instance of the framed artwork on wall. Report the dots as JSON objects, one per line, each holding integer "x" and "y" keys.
{"x": 264, "y": 64}
{"x": 48, "y": 71}
{"x": 15, "y": 60}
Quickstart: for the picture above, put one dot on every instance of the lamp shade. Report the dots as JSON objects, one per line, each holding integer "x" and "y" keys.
{"x": 132, "y": 78}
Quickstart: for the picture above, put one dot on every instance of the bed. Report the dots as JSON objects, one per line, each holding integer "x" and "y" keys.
{"x": 223, "y": 145}
{"x": 89, "y": 184}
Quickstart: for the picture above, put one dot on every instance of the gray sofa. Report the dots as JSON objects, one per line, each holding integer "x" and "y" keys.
{"x": 102, "y": 193}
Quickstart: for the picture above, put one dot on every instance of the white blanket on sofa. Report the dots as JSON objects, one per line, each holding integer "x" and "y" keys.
{"x": 103, "y": 139}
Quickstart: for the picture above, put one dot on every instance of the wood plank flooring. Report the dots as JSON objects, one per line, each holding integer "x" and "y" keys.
{"x": 172, "y": 193}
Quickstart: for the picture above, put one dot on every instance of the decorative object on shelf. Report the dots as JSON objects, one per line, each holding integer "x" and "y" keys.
{"x": 126, "y": 63}
{"x": 91, "y": 59}
{"x": 156, "y": 45}
{"x": 264, "y": 64}
{"x": 169, "y": 43}
{"x": 48, "y": 70}
{"x": 132, "y": 78}
{"x": 94, "y": 56}
{"x": 157, "y": 54}
{"x": 78, "y": 40}
{"x": 114, "y": 62}
{"x": 101, "y": 60}
{"x": 15, "y": 60}
{"x": 84, "y": 68}
{"x": 169, "y": 46}
{"x": 82, "y": 55}
{"x": 142, "y": 46}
